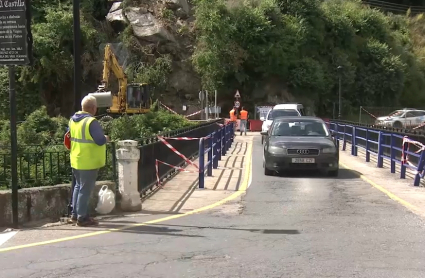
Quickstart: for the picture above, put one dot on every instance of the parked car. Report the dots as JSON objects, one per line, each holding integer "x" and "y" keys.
{"x": 280, "y": 110}
{"x": 408, "y": 117}
{"x": 300, "y": 143}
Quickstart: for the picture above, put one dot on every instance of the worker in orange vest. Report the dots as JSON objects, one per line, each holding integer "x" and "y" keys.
{"x": 233, "y": 119}
{"x": 244, "y": 120}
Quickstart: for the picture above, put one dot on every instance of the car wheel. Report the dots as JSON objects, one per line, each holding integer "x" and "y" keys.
{"x": 267, "y": 172}
{"x": 333, "y": 173}
{"x": 397, "y": 125}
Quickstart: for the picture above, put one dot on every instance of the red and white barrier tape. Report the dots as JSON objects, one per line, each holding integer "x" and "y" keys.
{"x": 193, "y": 114}
{"x": 186, "y": 138}
{"x": 180, "y": 169}
{"x": 419, "y": 126}
{"x": 373, "y": 116}
{"x": 169, "y": 109}
{"x": 405, "y": 156}
{"x": 177, "y": 152}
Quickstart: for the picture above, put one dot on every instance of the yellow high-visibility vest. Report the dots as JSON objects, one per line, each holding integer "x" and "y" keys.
{"x": 85, "y": 153}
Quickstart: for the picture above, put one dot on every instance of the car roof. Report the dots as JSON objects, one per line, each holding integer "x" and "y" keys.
{"x": 298, "y": 119}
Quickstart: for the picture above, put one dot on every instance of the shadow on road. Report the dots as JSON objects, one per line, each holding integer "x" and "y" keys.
{"x": 264, "y": 231}
{"x": 344, "y": 174}
{"x": 168, "y": 230}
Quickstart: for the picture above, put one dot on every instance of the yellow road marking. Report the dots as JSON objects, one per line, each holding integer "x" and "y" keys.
{"x": 238, "y": 193}
{"x": 383, "y": 190}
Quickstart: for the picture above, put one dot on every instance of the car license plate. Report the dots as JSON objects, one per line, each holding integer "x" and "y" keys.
{"x": 303, "y": 160}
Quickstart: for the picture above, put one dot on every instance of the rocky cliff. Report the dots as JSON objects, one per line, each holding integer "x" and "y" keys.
{"x": 158, "y": 28}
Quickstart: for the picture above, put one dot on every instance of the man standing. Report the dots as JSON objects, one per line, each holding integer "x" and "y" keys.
{"x": 233, "y": 119}
{"x": 88, "y": 155}
{"x": 244, "y": 120}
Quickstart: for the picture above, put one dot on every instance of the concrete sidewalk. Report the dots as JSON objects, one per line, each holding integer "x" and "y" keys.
{"x": 177, "y": 196}
{"x": 181, "y": 194}
{"x": 401, "y": 190}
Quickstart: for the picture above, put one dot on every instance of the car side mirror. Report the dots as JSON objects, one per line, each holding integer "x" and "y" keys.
{"x": 265, "y": 133}
{"x": 262, "y": 119}
{"x": 333, "y": 133}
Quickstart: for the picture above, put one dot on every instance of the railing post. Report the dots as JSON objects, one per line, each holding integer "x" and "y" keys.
{"x": 210, "y": 154}
{"x": 219, "y": 145}
{"x": 420, "y": 168}
{"x": 223, "y": 141}
{"x": 344, "y": 138}
{"x": 229, "y": 136}
{"x": 201, "y": 163}
{"x": 232, "y": 133}
{"x": 403, "y": 159}
{"x": 215, "y": 149}
{"x": 380, "y": 163}
{"x": 392, "y": 153}
{"x": 353, "y": 142}
{"x": 367, "y": 146}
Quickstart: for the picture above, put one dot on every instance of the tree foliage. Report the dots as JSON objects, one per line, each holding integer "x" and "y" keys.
{"x": 302, "y": 42}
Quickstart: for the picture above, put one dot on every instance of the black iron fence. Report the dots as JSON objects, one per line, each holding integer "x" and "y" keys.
{"x": 45, "y": 165}
{"x": 152, "y": 149}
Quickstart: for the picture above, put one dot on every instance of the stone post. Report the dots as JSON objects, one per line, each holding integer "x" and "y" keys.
{"x": 128, "y": 156}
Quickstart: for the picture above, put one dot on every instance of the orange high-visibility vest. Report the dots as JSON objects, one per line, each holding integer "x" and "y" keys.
{"x": 244, "y": 115}
{"x": 232, "y": 115}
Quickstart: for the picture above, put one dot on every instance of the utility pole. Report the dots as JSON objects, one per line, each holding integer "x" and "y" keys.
{"x": 77, "y": 76}
{"x": 339, "y": 91}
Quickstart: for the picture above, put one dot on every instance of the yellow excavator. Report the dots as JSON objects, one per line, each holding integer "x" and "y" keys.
{"x": 133, "y": 98}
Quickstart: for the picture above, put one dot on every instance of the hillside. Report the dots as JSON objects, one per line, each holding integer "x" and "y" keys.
{"x": 271, "y": 50}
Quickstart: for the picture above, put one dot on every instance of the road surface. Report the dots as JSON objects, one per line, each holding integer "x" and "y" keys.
{"x": 297, "y": 226}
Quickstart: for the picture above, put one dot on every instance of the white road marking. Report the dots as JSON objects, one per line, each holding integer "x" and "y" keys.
{"x": 5, "y": 236}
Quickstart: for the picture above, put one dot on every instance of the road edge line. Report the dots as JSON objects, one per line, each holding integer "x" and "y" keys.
{"x": 383, "y": 190}
{"x": 242, "y": 189}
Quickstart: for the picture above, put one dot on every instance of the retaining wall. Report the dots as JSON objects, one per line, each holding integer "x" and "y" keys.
{"x": 44, "y": 203}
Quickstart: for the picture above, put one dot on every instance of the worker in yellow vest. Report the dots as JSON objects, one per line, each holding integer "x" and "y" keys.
{"x": 244, "y": 121}
{"x": 88, "y": 155}
{"x": 233, "y": 119}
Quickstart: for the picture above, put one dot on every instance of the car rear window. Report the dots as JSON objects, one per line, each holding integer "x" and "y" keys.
{"x": 282, "y": 113}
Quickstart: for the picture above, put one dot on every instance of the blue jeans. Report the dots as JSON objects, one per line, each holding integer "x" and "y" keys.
{"x": 85, "y": 181}
{"x": 243, "y": 126}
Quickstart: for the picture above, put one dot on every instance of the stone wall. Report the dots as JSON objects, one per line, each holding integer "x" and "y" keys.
{"x": 43, "y": 203}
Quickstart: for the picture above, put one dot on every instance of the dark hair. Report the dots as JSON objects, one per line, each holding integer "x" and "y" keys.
{"x": 242, "y": 108}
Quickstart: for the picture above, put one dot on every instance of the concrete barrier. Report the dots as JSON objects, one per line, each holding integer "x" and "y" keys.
{"x": 44, "y": 203}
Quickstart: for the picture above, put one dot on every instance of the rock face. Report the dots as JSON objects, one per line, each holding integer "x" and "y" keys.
{"x": 158, "y": 25}
{"x": 146, "y": 26}
{"x": 179, "y": 5}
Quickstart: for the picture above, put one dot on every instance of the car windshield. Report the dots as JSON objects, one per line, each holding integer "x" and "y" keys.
{"x": 281, "y": 113}
{"x": 299, "y": 128}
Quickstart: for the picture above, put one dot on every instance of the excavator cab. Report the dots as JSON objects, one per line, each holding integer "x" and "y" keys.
{"x": 138, "y": 98}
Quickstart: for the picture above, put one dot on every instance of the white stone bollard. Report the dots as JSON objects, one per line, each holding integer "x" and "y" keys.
{"x": 128, "y": 156}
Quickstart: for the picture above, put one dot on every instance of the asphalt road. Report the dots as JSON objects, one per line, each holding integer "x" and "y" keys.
{"x": 297, "y": 226}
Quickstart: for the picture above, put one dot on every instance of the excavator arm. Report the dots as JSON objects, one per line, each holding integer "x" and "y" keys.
{"x": 110, "y": 63}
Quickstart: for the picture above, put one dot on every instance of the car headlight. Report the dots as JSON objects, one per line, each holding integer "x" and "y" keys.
{"x": 277, "y": 150}
{"x": 329, "y": 150}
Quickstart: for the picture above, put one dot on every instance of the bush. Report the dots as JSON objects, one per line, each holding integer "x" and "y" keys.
{"x": 43, "y": 160}
{"x": 302, "y": 42}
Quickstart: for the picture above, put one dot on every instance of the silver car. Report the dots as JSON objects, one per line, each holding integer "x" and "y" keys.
{"x": 402, "y": 118}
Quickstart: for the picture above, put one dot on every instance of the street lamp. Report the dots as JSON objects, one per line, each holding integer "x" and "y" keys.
{"x": 339, "y": 68}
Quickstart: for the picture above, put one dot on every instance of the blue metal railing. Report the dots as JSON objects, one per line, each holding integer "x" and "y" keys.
{"x": 215, "y": 146}
{"x": 385, "y": 145}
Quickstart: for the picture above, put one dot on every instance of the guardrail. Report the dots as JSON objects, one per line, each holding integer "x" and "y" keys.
{"x": 215, "y": 145}
{"x": 162, "y": 159}
{"x": 386, "y": 145}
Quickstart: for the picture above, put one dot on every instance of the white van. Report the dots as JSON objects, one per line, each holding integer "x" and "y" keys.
{"x": 279, "y": 110}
